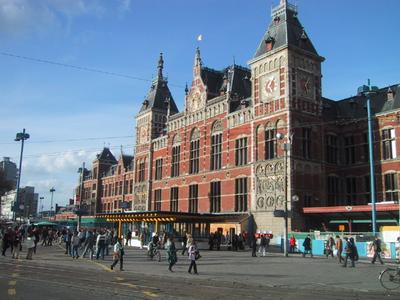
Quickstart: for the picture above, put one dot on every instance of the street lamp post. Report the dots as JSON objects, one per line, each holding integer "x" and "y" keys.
{"x": 78, "y": 208}
{"x": 371, "y": 156}
{"x": 21, "y": 136}
{"x": 286, "y": 148}
{"x": 52, "y": 190}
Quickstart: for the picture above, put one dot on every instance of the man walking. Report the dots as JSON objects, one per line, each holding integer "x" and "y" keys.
{"x": 89, "y": 243}
{"x": 376, "y": 244}
{"x": 184, "y": 243}
{"x": 263, "y": 245}
{"x": 100, "y": 245}
{"x": 339, "y": 248}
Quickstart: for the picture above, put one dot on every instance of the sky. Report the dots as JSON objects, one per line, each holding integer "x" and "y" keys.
{"x": 71, "y": 114}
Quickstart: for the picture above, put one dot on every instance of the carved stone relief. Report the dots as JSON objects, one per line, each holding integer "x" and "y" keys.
{"x": 140, "y": 198}
{"x": 270, "y": 185}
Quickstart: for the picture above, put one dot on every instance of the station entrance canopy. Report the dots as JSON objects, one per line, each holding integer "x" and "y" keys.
{"x": 159, "y": 217}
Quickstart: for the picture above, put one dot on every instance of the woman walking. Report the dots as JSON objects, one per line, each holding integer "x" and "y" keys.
{"x": 118, "y": 255}
{"x": 171, "y": 253}
{"x": 75, "y": 245}
{"x": 193, "y": 252}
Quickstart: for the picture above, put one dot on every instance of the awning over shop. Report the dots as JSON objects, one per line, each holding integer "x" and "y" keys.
{"x": 167, "y": 217}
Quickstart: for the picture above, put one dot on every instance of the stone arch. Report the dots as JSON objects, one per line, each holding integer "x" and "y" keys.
{"x": 216, "y": 127}
{"x": 176, "y": 139}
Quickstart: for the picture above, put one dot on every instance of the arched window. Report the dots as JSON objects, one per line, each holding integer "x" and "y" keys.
{"x": 194, "y": 151}
{"x": 216, "y": 146}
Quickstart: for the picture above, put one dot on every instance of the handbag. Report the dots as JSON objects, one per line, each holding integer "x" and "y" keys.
{"x": 197, "y": 255}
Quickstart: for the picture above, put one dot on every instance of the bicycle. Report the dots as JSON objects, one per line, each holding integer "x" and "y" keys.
{"x": 390, "y": 278}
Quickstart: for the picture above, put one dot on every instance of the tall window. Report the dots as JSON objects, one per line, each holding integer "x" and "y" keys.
{"x": 365, "y": 148}
{"x": 351, "y": 190}
{"x": 307, "y": 143}
{"x": 159, "y": 163}
{"x": 331, "y": 149}
{"x": 389, "y": 144}
{"x": 333, "y": 191}
{"x": 367, "y": 189}
{"x": 120, "y": 188}
{"x": 131, "y": 186}
{"x": 141, "y": 171}
{"x": 173, "y": 206}
{"x": 175, "y": 161}
{"x": 391, "y": 187}
{"x": 194, "y": 152}
{"x": 270, "y": 143}
{"x": 193, "y": 198}
{"x": 215, "y": 196}
{"x": 216, "y": 146}
{"x": 241, "y": 194}
{"x": 157, "y": 200}
{"x": 349, "y": 150}
{"x": 241, "y": 151}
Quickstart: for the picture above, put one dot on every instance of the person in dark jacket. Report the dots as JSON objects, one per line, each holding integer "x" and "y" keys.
{"x": 351, "y": 252}
{"x": 377, "y": 247}
{"x": 254, "y": 246}
{"x": 307, "y": 246}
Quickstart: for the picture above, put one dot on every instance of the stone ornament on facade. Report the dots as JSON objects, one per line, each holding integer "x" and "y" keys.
{"x": 270, "y": 186}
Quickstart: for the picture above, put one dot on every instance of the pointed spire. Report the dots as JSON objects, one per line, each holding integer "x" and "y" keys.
{"x": 284, "y": 3}
{"x": 186, "y": 89}
{"x": 160, "y": 66}
{"x": 197, "y": 58}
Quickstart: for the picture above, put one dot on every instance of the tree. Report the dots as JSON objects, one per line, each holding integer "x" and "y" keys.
{"x": 5, "y": 185}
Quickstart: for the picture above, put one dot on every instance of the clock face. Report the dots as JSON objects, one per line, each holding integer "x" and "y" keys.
{"x": 269, "y": 86}
{"x": 306, "y": 85}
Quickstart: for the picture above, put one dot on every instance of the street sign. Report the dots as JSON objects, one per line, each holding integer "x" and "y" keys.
{"x": 341, "y": 227}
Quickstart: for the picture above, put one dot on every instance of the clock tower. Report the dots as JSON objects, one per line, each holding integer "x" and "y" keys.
{"x": 286, "y": 90}
{"x": 151, "y": 121}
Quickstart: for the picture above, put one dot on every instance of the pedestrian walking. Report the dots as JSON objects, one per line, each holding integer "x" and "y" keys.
{"x": 377, "y": 247}
{"x": 193, "y": 254}
{"x": 89, "y": 244}
{"x": 351, "y": 252}
{"x": 128, "y": 238}
{"x": 307, "y": 244}
{"x": 292, "y": 244}
{"x": 339, "y": 248}
{"x": 100, "y": 245}
{"x": 16, "y": 245}
{"x": 30, "y": 245}
{"x": 68, "y": 240}
{"x": 118, "y": 255}
{"x": 75, "y": 245}
{"x": 330, "y": 244}
{"x": 7, "y": 241}
{"x": 171, "y": 253}
{"x": 184, "y": 243}
{"x": 254, "y": 246}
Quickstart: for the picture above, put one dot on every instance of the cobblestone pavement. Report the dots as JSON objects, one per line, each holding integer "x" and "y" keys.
{"x": 222, "y": 275}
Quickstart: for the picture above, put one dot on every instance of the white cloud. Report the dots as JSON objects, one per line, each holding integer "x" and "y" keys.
{"x": 64, "y": 162}
{"x": 19, "y": 16}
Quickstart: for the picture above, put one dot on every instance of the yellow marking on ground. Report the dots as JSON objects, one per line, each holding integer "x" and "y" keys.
{"x": 103, "y": 266}
{"x": 127, "y": 284}
{"x": 119, "y": 278}
{"x": 14, "y": 275}
{"x": 150, "y": 294}
{"x": 12, "y": 292}
{"x": 12, "y": 282}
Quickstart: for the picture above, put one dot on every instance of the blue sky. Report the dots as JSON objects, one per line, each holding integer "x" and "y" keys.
{"x": 359, "y": 40}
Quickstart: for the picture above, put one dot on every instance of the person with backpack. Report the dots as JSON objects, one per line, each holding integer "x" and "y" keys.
{"x": 351, "y": 252}
{"x": 171, "y": 253}
{"x": 100, "y": 245}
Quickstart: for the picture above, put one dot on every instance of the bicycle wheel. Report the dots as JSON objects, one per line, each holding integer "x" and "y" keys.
{"x": 390, "y": 279}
